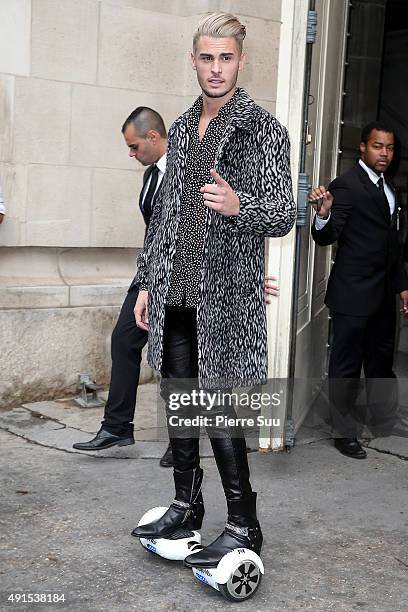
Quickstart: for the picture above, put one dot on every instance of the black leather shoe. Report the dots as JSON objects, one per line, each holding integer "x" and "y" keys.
{"x": 231, "y": 538}
{"x": 241, "y": 531}
{"x": 186, "y": 511}
{"x": 167, "y": 459}
{"x": 350, "y": 447}
{"x": 104, "y": 439}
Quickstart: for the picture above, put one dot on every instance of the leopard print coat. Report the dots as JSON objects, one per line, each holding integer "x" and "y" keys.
{"x": 253, "y": 157}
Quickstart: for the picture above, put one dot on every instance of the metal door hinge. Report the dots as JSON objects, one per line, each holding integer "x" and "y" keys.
{"x": 302, "y": 199}
{"x": 311, "y": 27}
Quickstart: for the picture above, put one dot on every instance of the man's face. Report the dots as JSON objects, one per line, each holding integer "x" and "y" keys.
{"x": 142, "y": 149}
{"x": 379, "y": 150}
{"x": 217, "y": 61}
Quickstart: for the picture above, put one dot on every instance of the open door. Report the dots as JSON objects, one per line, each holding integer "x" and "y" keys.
{"x": 322, "y": 153}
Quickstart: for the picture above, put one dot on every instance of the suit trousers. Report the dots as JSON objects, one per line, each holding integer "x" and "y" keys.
{"x": 363, "y": 342}
{"x": 127, "y": 344}
{"x": 180, "y": 375}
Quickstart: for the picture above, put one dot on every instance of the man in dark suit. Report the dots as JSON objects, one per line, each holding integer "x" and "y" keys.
{"x": 360, "y": 212}
{"x": 145, "y": 135}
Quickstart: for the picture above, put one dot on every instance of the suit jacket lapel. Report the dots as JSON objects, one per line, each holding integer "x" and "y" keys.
{"x": 374, "y": 193}
{"x": 145, "y": 179}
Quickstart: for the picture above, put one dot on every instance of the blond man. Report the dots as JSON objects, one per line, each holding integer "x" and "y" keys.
{"x": 226, "y": 187}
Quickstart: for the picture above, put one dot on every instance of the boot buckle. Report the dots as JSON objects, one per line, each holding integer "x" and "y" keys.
{"x": 180, "y": 504}
{"x": 242, "y": 531}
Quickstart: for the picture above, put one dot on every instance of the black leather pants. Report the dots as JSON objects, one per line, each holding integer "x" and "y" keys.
{"x": 180, "y": 375}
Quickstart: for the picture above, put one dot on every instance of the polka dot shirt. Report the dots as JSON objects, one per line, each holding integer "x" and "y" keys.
{"x": 186, "y": 275}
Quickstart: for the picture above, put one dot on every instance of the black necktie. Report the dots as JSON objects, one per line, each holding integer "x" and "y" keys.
{"x": 380, "y": 184}
{"x": 147, "y": 202}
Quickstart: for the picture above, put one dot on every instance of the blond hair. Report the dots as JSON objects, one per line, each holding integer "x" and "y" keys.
{"x": 220, "y": 25}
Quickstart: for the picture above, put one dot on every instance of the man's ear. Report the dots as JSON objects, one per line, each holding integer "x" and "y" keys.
{"x": 242, "y": 60}
{"x": 193, "y": 63}
{"x": 363, "y": 147}
{"x": 152, "y": 135}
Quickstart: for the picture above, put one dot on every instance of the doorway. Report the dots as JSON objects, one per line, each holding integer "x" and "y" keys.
{"x": 376, "y": 87}
{"x": 358, "y": 75}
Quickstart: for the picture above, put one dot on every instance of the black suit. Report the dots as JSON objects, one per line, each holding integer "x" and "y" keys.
{"x": 127, "y": 344}
{"x": 367, "y": 273}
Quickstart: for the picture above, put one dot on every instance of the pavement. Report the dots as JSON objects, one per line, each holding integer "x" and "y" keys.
{"x": 335, "y": 528}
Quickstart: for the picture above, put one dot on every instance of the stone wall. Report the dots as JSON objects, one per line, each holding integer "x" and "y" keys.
{"x": 70, "y": 73}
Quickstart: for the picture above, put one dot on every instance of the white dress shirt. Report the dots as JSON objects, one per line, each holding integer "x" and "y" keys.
{"x": 389, "y": 194}
{"x": 161, "y": 164}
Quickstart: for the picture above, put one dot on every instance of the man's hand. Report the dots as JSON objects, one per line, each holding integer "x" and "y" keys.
{"x": 140, "y": 310}
{"x": 220, "y": 197}
{"x": 321, "y": 201}
{"x": 270, "y": 289}
{"x": 404, "y": 301}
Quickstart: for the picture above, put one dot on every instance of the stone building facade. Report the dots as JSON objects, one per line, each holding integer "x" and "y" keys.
{"x": 70, "y": 73}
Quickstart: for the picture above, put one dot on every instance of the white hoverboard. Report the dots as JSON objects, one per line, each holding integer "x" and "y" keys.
{"x": 183, "y": 542}
{"x": 237, "y": 576}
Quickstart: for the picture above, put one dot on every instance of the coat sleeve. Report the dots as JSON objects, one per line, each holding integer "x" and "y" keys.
{"x": 340, "y": 213}
{"x": 142, "y": 274}
{"x": 402, "y": 277}
{"x": 272, "y": 210}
